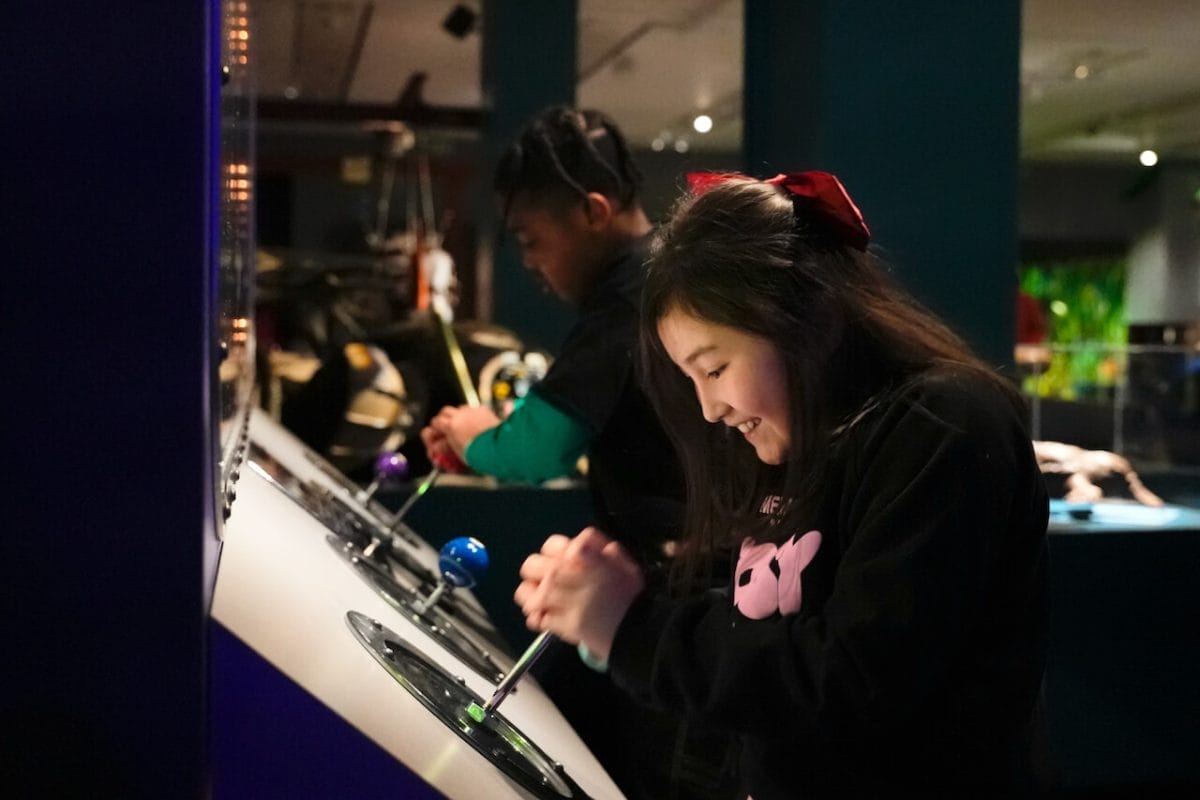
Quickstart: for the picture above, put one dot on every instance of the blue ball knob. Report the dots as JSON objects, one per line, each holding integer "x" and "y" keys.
{"x": 463, "y": 561}
{"x": 391, "y": 467}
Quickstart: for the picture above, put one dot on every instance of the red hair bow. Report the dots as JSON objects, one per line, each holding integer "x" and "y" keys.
{"x": 819, "y": 192}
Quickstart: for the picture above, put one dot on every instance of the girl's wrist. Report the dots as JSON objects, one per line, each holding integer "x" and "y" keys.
{"x": 590, "y": 659}
{"x": 599, "y": 647}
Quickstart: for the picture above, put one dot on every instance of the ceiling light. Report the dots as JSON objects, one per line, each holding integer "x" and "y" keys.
{"x": 702, "y": 123}
{"x": 1082, "y": 71}
{"x": 681, "y": 145}
{"x": 1148, "y": 158}
{"x": 658, "y": 144}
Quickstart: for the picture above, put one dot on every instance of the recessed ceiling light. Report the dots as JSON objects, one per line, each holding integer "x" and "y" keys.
{"x": 702, "y": 123}
{"x": 1082, "y": 71}
{"x": 1148, "y": 158}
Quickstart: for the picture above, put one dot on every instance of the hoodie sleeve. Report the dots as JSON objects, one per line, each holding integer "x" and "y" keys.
{"x": 535, "y": 443}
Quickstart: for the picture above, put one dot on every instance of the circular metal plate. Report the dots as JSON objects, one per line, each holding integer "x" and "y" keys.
{"x": 449, "y": 699}
{"x": 434, "y": 621}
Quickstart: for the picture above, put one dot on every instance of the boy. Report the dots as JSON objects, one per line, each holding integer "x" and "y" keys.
{"x": 568, "y": 190}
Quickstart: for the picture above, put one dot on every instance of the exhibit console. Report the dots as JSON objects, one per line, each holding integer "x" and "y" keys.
{"x": 348, "y": 602}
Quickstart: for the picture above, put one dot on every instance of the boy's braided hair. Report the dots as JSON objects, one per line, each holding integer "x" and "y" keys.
{"x": 562, "y": 154}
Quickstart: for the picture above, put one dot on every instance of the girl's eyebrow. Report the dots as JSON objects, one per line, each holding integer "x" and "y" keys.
{"x": 699, "y": 351}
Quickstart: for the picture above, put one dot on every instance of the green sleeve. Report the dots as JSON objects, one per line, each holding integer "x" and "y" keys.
{"x": 536, "y": 442}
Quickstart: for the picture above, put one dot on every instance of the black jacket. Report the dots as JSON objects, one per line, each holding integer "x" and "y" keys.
{"x": 633, "y": 472}
{"x": 914, "y": 661}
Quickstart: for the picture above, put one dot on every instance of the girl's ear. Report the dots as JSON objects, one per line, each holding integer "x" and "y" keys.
{"x": 599, "y": 211}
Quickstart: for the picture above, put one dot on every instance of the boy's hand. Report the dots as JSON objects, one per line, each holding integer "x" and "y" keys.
{"x": 458, "y": 425}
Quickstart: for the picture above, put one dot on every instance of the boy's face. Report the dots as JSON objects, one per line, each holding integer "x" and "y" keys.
{"x": 558, "y": 245}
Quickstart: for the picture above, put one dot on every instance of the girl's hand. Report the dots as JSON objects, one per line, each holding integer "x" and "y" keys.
{"x": 580, "y": 589}
{"x": 535, "y": 579}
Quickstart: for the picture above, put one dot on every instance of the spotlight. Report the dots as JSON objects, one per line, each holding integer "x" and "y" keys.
{"x": 460, "y": 21}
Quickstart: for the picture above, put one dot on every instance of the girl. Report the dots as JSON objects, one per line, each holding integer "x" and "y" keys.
{"x": 876, "y": 488}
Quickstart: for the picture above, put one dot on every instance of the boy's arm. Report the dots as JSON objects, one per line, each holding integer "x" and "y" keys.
{"x": 537, "y": 442}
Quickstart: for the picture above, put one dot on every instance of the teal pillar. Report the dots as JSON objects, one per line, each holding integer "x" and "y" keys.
{"x": 529, "y": 62}
{"x": 915, "y": 107}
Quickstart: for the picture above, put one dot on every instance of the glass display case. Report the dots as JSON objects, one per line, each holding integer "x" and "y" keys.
{"x": 1142, "y": 401}
{"x": 235, "y": 250}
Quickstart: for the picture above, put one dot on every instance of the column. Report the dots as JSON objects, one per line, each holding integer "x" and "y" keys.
{"x": 915, "y": 107}
{"x": 529, "y": 62}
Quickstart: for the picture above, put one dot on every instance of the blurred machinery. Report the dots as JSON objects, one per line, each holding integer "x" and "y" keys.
{"x": 358, "y": 351}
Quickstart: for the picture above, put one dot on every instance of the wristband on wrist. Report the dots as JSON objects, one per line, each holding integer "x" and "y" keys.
{"x": 590, "y": 660}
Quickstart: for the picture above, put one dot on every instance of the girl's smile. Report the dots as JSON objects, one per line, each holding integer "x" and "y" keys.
{"x": 739, "y": 379}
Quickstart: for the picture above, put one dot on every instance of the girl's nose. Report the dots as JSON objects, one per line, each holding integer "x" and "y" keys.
{"x": 713, "y": 409}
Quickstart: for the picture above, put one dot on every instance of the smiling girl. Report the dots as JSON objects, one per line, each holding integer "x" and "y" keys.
{"x": 884, "y": 631}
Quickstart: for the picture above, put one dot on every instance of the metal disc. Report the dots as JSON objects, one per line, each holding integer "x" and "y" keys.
{"x": 449, "y": 699}
{"x": 434, "y": 621}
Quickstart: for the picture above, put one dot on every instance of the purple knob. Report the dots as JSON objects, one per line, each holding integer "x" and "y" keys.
{"x": 391, "y": 467}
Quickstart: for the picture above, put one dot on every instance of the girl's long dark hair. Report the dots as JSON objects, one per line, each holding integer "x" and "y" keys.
{"x": 741, "y": 256}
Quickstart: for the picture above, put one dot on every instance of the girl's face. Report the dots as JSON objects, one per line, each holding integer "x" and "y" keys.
{"x": 739, "y": 379}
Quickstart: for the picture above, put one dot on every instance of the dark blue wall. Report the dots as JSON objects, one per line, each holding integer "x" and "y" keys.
{"x": 1121, "y": 690}
{"x": 273, "y": 739}
{"x": 109, "y": 453}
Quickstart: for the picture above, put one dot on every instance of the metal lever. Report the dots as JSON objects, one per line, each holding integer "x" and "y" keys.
{"x": 425, "y": 486}
{"x": 518, "y": 671}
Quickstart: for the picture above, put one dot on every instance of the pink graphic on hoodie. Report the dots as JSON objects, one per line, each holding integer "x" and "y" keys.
{"x": 768, "y": 576}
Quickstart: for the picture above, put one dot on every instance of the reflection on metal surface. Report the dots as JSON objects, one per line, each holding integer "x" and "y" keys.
{"x": 372, "y": 509}
{"x": 371, "y": 515}
{"x": 436, "y": 622}
{"x": 449, "y": 699}
{"x": 348, "y": 523}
